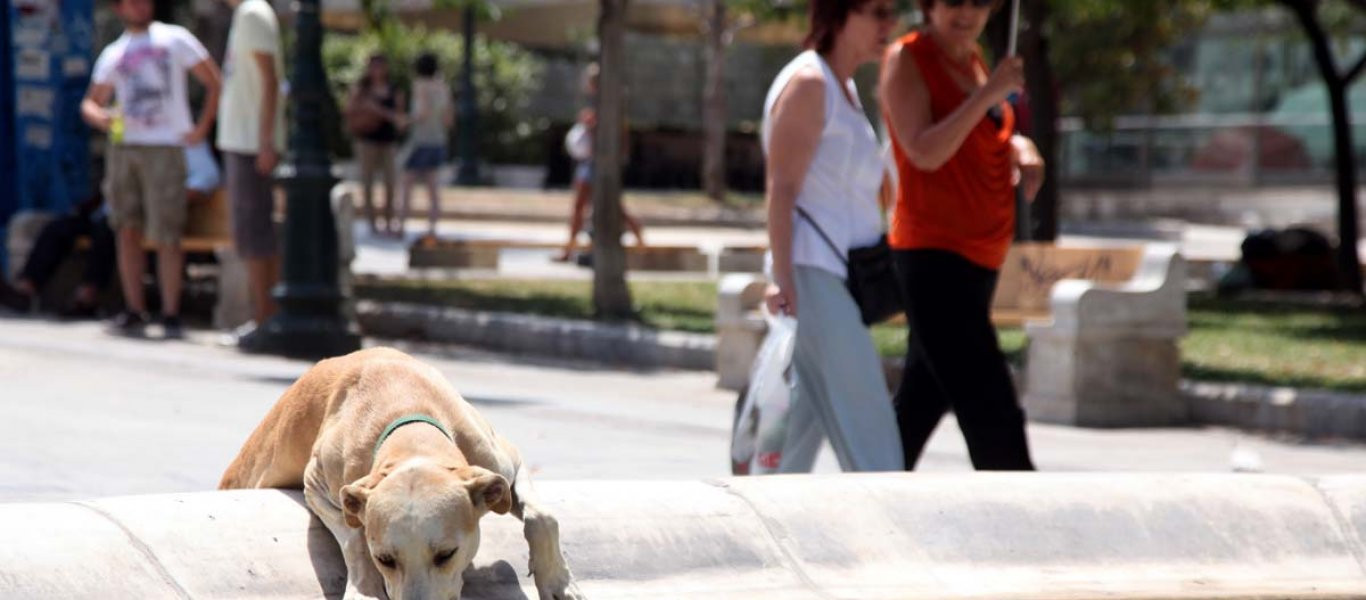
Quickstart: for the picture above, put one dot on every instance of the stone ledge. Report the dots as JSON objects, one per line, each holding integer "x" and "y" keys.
{"x": 1310, "y": 413}
{"x": 871, "y": 536}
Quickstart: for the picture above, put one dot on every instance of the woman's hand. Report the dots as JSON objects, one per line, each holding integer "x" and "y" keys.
{"x": 780, "y": 302}
{"x": 1007, "y": 79}
{"x": 1028, "y": 165}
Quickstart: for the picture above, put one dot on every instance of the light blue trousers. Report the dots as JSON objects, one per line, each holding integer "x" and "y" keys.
{"x": 841, "y": 390}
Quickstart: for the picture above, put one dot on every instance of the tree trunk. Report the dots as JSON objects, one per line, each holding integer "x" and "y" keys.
{"x": 714, "y": 103}
{"x": 611, "y": 297}
{"x": 1349, "y": 263}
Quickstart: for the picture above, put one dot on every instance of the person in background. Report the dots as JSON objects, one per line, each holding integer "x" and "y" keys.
{"x": 433, "y": 113}
{"x": 144, "y": 71}
{"x": 251, "y": 135}
{"x": 958, "y": 159}
{"x": 825, "y": 170}
{"x": 579, "y": 143}
{"x": 373, "y": 116}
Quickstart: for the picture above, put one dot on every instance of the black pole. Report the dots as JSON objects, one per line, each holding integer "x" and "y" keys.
{"x": 310, "y": 322}
{"x": 469, "y": 109}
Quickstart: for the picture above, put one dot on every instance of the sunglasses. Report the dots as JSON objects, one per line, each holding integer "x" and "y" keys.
{"x": 974, "y": 3}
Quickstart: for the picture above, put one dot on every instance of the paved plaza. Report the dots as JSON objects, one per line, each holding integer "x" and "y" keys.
{"x": 88, "y": 415}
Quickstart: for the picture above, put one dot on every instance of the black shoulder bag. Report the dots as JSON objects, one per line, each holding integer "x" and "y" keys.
{"x": 872, "y": 278}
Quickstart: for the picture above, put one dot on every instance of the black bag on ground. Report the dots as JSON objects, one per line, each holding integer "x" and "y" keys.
{"x": 872, "y": 279}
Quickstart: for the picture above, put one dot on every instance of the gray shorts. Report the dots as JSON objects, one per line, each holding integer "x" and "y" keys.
{"x": 252, "y": 196}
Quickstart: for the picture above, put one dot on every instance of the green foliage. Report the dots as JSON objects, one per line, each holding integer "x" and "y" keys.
{"x": 504, "y": 78}
{"x": 1114, "y": 57}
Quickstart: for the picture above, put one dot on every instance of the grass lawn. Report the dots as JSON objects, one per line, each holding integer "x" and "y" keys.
{"x": 1230, "y": 340}
{"x": 1276, "y": 344}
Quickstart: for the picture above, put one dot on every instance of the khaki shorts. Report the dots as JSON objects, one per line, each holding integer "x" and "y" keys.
{"x": 145, "y": 186}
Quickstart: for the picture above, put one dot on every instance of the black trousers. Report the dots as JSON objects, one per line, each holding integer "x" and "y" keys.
{"x": 58, "y": 238}
{"x": 954, "y": 361}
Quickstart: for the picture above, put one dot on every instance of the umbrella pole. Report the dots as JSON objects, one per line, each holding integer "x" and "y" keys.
{"x": 1014, "y": 28}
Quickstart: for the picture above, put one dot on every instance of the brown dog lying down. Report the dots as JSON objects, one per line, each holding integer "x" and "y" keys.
{"x": 399, "y": 468}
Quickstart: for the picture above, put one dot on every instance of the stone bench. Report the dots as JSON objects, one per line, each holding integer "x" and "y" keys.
{"x": 1103, "y": 324}
{"x": 485, "y": 253}
{"x": 206, "y": 235}
{"x": 1108, "y": 354}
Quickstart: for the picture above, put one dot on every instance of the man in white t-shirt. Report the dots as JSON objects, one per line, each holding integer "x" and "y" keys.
{"x": 251, "y": 134}
{"x": 144, "y": 72}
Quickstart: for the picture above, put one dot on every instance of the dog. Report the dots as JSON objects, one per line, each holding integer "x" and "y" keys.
{"x": 400, "y": 469}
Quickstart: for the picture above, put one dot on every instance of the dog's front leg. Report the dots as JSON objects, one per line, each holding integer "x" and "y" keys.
{"x": 553, "y": 578}
{"x": 363, "y": 580}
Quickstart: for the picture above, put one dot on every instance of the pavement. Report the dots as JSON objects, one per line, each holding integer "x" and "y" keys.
{"x": 88, "y": 415}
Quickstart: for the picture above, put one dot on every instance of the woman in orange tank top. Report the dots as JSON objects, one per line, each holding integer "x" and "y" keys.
{"x": 958, "y": 158}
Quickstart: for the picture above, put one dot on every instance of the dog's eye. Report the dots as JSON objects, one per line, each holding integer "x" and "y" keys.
{"x": 386, "y": 561}
{"x": 444, "y": 557}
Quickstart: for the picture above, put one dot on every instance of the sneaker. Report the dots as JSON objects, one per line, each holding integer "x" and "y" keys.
{"x": 228, "y": 339}
{"x": 129, "y": 324}
{"x": 171, "y": 328}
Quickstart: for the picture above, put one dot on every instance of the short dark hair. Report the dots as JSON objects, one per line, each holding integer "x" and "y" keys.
{"x": 827, "y": 19}
{"x": 426, "y": 64}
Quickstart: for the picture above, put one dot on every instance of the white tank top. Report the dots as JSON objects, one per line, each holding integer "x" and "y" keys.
{"x": 841, "y": 187}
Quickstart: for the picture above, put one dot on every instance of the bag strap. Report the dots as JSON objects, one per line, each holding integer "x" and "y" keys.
{"x": 833, "y": 248}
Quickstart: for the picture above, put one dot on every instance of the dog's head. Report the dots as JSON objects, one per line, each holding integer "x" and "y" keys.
{"x": 421, "y": 523}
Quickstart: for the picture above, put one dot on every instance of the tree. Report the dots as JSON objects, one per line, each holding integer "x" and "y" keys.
{"x": 1096, "y": 59}
{"x": 716, "y": 31}
{"x": 611, "y": 297}
{"x": 1337, "y": 81}
{"x": 720, "y": 20}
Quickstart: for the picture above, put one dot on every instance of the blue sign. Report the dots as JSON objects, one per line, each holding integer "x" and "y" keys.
{"x": 46, "y": 47}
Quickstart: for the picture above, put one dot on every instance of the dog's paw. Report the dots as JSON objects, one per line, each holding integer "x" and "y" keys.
{"x": 560, "y": 586}
{"x": 354, "y": 593}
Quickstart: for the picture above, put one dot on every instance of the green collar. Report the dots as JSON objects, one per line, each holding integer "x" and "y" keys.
{"x": 406, "y": 420}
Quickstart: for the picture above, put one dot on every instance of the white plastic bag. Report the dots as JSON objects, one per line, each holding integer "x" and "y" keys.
{"x": 761, "y": 421}
{"x": 578, "y": 143}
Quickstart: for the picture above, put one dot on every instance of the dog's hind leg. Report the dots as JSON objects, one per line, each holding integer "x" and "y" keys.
{"x": 363, "y": 580}
{"x": 542, "y": 531}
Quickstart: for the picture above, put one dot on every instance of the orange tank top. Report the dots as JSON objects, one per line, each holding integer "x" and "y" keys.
{"x": 967, "y": 205}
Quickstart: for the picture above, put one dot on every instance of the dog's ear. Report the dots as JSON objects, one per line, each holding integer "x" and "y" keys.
{"x": 353, "y": 500}
{"x": 488, "y": 490}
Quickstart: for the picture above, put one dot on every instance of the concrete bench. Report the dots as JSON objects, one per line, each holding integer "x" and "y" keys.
{"x": 207, "y": 235}
{"x": 1103, "y": 326}
{"x": 466, "y": 254}
{"x": 485, "y": 253}
{"x": 970, "y": 536}
{"x": 1108, "y": 353}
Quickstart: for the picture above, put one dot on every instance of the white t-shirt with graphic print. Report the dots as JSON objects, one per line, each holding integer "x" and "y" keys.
{"x": 147, "y": 71}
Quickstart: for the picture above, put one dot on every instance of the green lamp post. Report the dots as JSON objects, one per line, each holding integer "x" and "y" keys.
{"x": 310, "y": 322}
{"x": 469, "y": 111}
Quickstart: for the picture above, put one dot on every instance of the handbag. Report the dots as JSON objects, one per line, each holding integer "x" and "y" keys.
{"x": 872, "y": 278}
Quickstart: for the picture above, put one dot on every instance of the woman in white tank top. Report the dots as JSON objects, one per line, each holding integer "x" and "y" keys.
{"x": 824, "y": 159}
